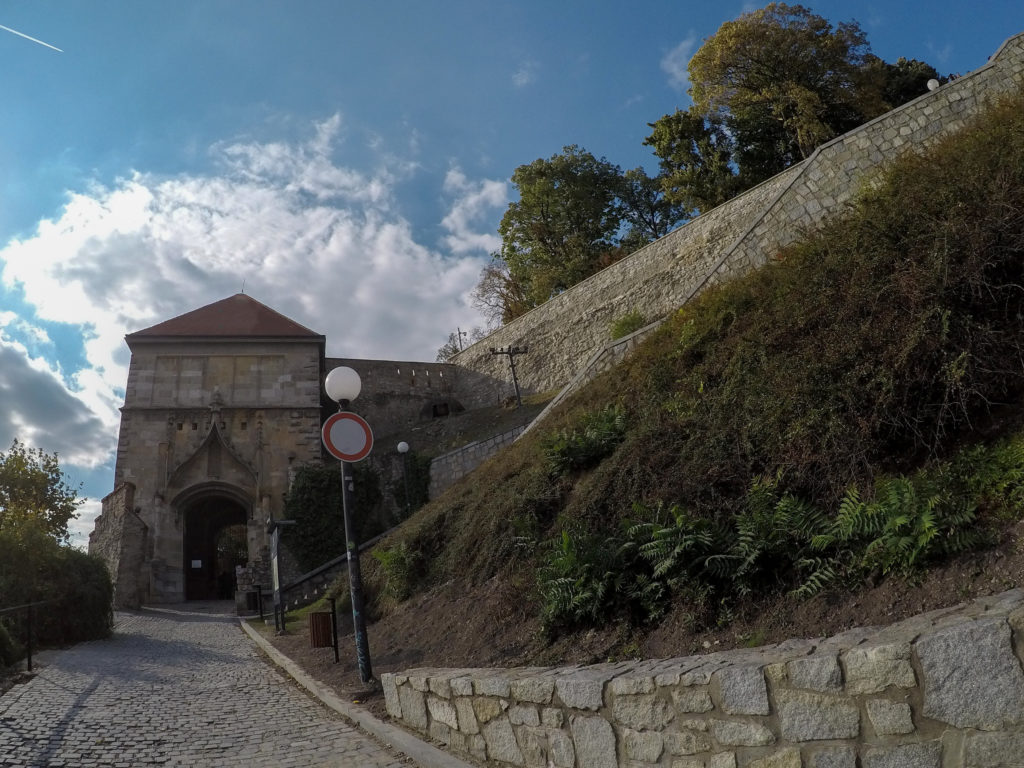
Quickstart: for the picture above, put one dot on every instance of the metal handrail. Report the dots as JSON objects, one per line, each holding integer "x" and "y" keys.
{"x": 28, "y": 630}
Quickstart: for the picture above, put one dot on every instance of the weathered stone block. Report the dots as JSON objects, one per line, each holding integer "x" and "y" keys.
{"x": 486, "y": 709}
{"x": 414, "y": 708}
{"x": 741, "y": 733}
{"x": 442, "y": 711}
{"x": 466, "y": 715}
{"x": 875, "y": 668}
{"x": 581, "y": 692}
{"x": 532, "y": 743}
{"x": 519, "y": 714}
{"x": 818, "y": 673}
{"x": 501, "y": 741}
{"x": 722, "y": 760}
{"x": 594, "y": 741}
{"x": 439, "y": 732}
{"x": 697, "y": 699}
{"x": 419, "y": 683}
{"x": 926, "y": 755}
{"x": 391, "y": 702}
{"x": 806, "y": 716}
{"x": 742, "y": 690}
{"x": 994, "y": 750}
{"x": 642, "y": 745}
{"x": 560, "y": 749}
{"x": 889, "y": 718}
{"x": 492, "y": 686}
{"x": 647, "y": 712}
{"x": 686, "y": 742}
{"x": 441, "y": 687}
{"x": 833, "y": 757}
{"x": 971, "y": 677}
{"x": 626, "y": 686}
{"x": 551, "y": 717}
{"x": 687, "y": 762}
{"x": 537, "y": 690}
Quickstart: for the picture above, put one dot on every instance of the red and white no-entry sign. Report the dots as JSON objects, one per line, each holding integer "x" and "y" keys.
{"x": 347, "y": 436}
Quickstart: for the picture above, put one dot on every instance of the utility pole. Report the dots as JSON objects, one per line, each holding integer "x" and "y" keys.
{"x": 512, "y": 352}
{"x": 461, "y": 333}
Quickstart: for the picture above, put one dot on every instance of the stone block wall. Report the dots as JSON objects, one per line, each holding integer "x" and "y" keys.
{"x": 940, "y": 690}
{"x": 119, "y": 538}
{"x": 741, "y": 234}
{"x": 449, "y": 467}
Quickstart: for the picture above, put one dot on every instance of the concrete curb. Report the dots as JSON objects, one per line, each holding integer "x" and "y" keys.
{"x": 426, "y": 755}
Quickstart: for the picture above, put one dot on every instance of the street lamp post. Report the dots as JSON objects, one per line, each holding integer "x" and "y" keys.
{"x": 403, "y": 448}
{"x": 349, "y": 439}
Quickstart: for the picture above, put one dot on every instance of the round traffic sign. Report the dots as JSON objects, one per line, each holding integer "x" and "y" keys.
{"x": 347, "y": 436}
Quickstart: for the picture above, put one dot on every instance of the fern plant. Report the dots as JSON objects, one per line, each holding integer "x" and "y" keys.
{"x": 595, "y": 436}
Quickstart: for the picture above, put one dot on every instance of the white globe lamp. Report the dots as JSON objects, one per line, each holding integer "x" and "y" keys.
{"x": 342, "y": 384}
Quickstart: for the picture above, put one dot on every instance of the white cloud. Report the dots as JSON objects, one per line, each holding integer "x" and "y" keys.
{"x": 82, "y": 526}
{"x": 525, "y": 75}
{"x": 319, "y": 242}
{"x": 674, "y": 63}
{"x": 472, "y": 201}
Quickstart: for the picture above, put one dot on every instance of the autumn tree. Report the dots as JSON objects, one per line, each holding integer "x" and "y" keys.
{"x": 33, "y": 489}
{"x": 768, "y": 88}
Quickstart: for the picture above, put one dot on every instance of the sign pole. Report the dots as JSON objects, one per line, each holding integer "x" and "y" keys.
{"x": 355, "y": 577}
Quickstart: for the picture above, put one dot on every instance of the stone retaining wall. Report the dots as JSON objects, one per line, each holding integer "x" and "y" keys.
{"x": 449, "y": 467}
{"x": 940, "y": 690}
{"x": 743, "y": 233}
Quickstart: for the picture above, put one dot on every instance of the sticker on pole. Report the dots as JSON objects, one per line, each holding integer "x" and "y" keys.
{"x": 347, "y": 436}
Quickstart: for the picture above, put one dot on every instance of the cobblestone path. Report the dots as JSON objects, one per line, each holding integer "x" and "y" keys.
{"x": 174, "y": 689}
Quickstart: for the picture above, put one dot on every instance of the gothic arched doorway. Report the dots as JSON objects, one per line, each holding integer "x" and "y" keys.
{"x": 214, "y": 543}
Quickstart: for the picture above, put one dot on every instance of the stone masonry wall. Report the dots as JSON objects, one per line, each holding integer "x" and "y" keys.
{"x": 743, "y": 233}
{"x": 119, "y": 538}
{"x": 449, "y": 467}
{"x": 941, "y": 690}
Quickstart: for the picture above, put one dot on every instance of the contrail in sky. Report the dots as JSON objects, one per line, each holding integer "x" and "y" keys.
{"x": 22, "y": 34}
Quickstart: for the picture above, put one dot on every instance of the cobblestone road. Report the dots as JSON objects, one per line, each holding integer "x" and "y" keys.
{"x": 174, "y": 689}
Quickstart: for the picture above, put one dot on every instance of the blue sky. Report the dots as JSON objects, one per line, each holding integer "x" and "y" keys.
{"x": 348, "y": 162}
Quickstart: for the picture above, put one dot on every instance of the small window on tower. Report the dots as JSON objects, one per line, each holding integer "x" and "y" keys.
{"x": 244, "y": 425}
{"x": 180, "y": 426}
{"x": 194, "y": 426}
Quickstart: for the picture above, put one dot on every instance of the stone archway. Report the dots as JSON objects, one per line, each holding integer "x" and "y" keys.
{"x": 214, "y": 525}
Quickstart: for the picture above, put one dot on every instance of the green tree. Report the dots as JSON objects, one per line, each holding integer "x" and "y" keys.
{"x": 314, "y": 502}
{"x": 696, "y": 158}
{"x": 785, "y": 78}
{"x": 768, "y": 88}
{"x": 566, "y": 218}
{"x": 645, "y": 209}
{"x": 34, "y": 489}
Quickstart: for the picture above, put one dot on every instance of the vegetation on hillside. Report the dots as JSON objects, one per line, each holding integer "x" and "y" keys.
{"x": 820, "y": 418}
{"x": 36, "y": 562}
{"x": 767, "y": 89}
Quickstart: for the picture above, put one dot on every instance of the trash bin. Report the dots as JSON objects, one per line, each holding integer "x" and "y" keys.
{"x": 320, "y": 630}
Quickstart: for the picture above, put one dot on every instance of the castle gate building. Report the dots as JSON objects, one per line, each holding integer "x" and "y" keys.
{"x": 220, "y": 404}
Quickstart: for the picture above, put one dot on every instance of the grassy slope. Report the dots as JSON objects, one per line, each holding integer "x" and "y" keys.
{"x": 880, "y": 345}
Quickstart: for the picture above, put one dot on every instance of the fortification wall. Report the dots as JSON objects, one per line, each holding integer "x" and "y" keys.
{"x": 940, "y": 690}
{"x": 564, "y": 332}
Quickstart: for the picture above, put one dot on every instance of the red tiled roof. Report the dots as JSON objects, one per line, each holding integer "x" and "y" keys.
{"x": 237, "y": 315}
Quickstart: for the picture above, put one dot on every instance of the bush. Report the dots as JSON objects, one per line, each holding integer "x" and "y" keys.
{"x": 627, "y": 324}
{"x": 10, "y": 651}
{"x": 314, "y": 502}
{"x": 402, "y": 569}
{"x": 34, "y": 567}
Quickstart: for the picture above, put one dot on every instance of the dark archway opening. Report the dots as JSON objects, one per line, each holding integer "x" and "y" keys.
{"x": 215, "y": 542}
